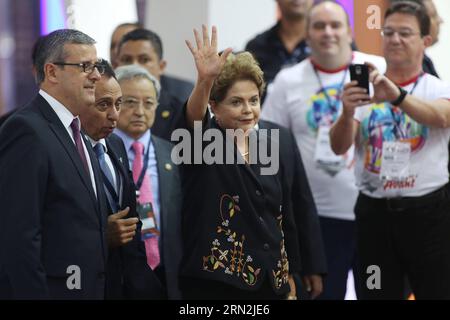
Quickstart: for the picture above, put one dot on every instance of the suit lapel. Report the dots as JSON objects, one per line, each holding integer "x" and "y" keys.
{"x": 62, "y": 135}
{"x": 100, "y": 200}
{"x": 117, "y": 162}
{"x": 122, "y": 174}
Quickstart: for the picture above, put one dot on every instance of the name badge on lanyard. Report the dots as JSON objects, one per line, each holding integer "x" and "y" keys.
{"x": 145, "y": 210}
{"x": 396, "y": 155}
{"x": 147, "y": 217}
{"x": 324, "y": 155}
{"x": 395, "y": 161}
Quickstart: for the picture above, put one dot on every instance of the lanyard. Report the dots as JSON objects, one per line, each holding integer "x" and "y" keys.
{"x": 144, "y": 167}
{"x": 322, "y": 89}
{"x": 397, "y": 120}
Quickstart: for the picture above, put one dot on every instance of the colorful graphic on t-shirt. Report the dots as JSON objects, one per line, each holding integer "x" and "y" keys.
{"x": 319, "y": 111}
{"x": 324, "y": 111}
{"x": 387, "y": 123}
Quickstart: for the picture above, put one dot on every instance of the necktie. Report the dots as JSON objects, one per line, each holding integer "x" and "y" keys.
{"x": 107, "y": 174}
{"x": 145, "y": 196}
{"x": 75, "y": 126}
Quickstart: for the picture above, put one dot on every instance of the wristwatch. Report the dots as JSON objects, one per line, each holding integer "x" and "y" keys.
{"x": 400, "y": 98}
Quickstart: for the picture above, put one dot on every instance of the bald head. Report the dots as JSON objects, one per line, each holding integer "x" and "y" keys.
{"x": 329, "y": 6}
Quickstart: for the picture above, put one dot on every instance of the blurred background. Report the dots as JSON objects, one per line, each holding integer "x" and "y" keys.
{"x": 23, "y": 21}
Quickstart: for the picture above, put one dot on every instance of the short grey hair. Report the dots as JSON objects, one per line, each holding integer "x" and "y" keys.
{"x": 132, "y": 71}
{"x": 51, "y": 48}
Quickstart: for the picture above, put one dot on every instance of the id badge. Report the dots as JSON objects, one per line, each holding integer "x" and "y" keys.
{"x": 395, "y": 161}
{"x": 324, "y": 155}
{"x": 147, "y": 217}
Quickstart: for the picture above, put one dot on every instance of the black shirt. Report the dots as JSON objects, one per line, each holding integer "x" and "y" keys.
{"x": 272, "y": 55}
{"x": 428, "y": 66}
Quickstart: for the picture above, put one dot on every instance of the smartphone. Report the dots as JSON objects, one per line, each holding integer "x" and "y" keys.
{"x": 360, "y": 73}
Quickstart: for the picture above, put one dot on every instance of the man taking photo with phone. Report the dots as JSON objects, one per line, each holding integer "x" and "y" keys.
{"x": 401, "y": 134}
{"x": 306, "y": 99}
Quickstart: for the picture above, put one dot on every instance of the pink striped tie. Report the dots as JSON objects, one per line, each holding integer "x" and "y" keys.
{"x": 145, "y": 196}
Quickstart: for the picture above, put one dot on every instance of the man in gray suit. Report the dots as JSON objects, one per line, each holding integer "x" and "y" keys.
{"x": 156, "y": 177}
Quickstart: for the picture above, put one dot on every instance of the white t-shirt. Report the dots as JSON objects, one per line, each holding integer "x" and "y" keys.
{"x": 297, "y": 101}
{"x": 429, "y": 146}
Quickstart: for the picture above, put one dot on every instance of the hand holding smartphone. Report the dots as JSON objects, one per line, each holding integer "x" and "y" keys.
{"x": 360, "y": 73}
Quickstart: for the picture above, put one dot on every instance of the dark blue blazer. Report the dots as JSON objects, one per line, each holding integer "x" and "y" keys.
{"x": 177, "y": 87}
{"x": 128, "y": 274}
{"x": 6, "y": 116}
{"x": 51, "y": 218}
{"x": 170, "y": 198}
{"x": 312, "y": 253}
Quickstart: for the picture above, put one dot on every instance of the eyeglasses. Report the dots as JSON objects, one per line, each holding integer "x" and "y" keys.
{"x": 404, "y": 33}
{"x": 88, "y": 67}
{"x": 133, "y": 103}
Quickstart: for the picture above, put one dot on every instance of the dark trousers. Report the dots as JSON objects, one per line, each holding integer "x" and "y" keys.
{"x": 404, "y": 237}
{"x": 339, "y": 238}
{"x": 201, "y": 289}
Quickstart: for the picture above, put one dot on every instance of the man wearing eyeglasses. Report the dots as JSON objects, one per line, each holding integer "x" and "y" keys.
{"x": 306, "y": 99}
{"x": 144, "y": 47}
{"x": 155, "y": 175}
{"x": 402, "y": 133}
{"x": 53, "y": 217}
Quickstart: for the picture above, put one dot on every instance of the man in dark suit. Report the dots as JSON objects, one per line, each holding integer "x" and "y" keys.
{"x": 128, "y": 275}
{"x": 52, "y": 222}
{"x": 156, "y": 177}
{"x": 312, "y": 253}
{"x": 144, "y": 47}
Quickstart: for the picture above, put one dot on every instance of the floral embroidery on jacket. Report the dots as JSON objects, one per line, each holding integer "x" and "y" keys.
{"x": 281, "y": 274}
{"x": 229, "y": 255}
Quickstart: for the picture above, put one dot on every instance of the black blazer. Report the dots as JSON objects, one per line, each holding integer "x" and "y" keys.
{"x": 311, "y": 247}
{"x": 234, "y": 221}
{"x": 128, "y": 275}
{"x": 167, "y": 115}
{"x": 170, "y": 211}
{"x": 177, "y": 87}
{"x": 6, "y": 116}
{"x": 50, "y": 218}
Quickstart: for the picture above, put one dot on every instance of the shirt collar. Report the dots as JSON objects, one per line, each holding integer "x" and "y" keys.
{"x": 94, "y": 143}
{"x": 61, "y": 111}
{"x": 128, "y": 141}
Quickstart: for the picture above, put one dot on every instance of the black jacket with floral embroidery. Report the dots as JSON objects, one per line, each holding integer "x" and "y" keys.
{"x": 233, "y": 222}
